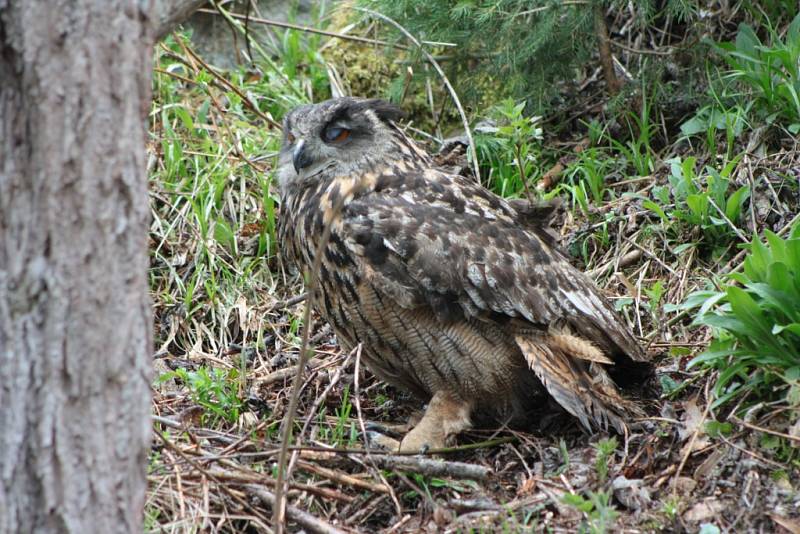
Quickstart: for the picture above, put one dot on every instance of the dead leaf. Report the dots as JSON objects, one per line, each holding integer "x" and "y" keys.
{"x": 791, "y": 525}
{"x": 704, "y": 510}
{"x": 794, "y": 430}
{"x": 693, "y": 423}
{"x": 527, "y": 486}
{"x": 632, "y": 493}
{"x": 685, "y": 485}
{"x": 709, "y": 463}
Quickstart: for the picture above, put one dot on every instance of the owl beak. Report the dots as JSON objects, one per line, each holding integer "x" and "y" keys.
{"x": 300, "y": 159}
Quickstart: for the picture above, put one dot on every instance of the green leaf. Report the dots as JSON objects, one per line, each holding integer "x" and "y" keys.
{"x": 775, "y": 299}
{"x": 698, "y": 203}
{"x": 668, "y": 385}
{"x": 792, "y": 374}
{"x": 655, "y": 208}
{"x": 184, "y": 116}
{"x": 777, "y": 246}
{"x": 727, "y": 322}
{"x": 747, "y": 41}
{"x": 750, "y": 314}
{"x": 694, "y": 126}
{"x": 734, "y": 205}
{"x": 794, "y": 328}
{"x": 793, "y": 32}
{"x": 755, "y": 265}
{"x": 577, "y": 501}
{"x": 718, "y": 350}
{"x": 224, "y": 235}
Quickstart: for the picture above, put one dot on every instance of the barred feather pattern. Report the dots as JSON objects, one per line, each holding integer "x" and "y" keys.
{"x": 449, "y": 287}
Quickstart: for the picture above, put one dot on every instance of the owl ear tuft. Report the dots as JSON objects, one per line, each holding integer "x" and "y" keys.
{"x": 383, "y": 109}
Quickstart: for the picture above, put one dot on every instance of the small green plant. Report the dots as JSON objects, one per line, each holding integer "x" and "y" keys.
{"x": 564, "y": 451}
{"x": 701, "y": 201}
{"x": 510, "y": 149}
{"x": 587, "y": 177}
{"x": 605, "y": 454}
{"x": 654, "y": 295}
{"x": 217, "y": 390}
{"x": 671, "y": 507}
{"x": 344, "y": 433}
{"x": 756, "y": 320}
{"x": 714, "y": 118}
{"x": 770, "y": 71}
{"x": 638, "y": 150}
{"x": 600, "y": 514}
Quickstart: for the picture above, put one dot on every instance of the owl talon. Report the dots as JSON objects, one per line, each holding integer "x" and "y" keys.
{"x": 377, "y": 440}
{"x": 382, "y": 429}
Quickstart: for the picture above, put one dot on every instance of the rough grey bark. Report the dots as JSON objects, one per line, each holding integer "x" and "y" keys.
{"x": 75, "y": 319}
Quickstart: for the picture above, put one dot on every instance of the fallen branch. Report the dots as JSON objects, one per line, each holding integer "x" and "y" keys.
{"x": 283, "y": 374}
{"x": 342, "y": 478}
{"x": 302, "y": 518}
{"x": 432, "y": 467}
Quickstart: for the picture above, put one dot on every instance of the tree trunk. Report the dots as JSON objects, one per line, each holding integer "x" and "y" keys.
{"x": 75, "y": 319}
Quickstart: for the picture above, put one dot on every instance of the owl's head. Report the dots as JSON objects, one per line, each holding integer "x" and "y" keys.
{"x": 335, "y": 137}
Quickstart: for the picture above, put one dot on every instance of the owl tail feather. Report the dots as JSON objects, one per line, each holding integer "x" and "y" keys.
{"x": 577, "y": 382}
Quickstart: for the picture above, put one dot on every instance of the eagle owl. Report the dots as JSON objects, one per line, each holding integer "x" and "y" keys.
{"x": 454, "y": 293}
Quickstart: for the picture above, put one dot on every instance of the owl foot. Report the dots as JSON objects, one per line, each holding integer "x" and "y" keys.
{"x": 385, "y": 437}
{"x": 380, "y": 441}
{"x": 445, "y": 416}
{"x": 388, "y": 436}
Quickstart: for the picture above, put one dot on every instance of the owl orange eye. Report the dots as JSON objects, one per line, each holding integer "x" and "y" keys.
{"x": 290, "y": 138}
{"x": 335, "y": 134}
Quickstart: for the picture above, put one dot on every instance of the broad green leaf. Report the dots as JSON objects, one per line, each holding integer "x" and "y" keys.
{"x": 699, "y": 205}
{"x": 734, "y": 205}
{"x": 727, "y": 322}
{"x": 694, "y": 126}
{"x": 184, "y": 116}
{"x": 755, "y": 265}
{"x": 793, "y": 33}
{"x": 777, "y": 246}
{"x": 792, "y": 327}
{"x": 655, "y": 208}
{"x": 780, "y": 307}
{"x": 750, "y": 314}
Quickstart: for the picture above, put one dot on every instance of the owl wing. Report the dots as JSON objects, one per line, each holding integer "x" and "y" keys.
{"x": 462, "y": 251}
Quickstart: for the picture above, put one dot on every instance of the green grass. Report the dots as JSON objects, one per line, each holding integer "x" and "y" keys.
{"x": 701, "y": 202}
{"x": 217, "y": 391}
{"x": 596, "y": 506}
{"x": 343, "y": 432}
{"x": 756, "y": 318}
{"x": 768, "y": 71}
{"x": 213, "y": 203}
{"x": 510, "y": 150}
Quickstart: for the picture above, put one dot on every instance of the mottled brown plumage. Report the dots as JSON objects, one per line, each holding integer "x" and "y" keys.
{"x": 456, "y": 294}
